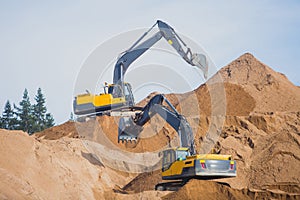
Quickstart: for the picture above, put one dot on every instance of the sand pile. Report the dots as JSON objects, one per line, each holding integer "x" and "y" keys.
{"x": 199, "y": 189}
{"x": 261, "y": 129}
{"x": 271, "y": 90}
{"x": 33, "y": 168}
{"x": 266, "y": 148}
{"x": 65, "y": 130}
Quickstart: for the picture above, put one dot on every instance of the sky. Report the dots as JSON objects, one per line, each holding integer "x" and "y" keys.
{"x": 46, "y": 43}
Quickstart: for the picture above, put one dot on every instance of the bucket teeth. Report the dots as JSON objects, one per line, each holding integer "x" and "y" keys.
{"x": 127, "y": 139}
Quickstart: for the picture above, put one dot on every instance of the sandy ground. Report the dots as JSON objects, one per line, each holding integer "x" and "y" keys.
{"x": 257, "y": 109}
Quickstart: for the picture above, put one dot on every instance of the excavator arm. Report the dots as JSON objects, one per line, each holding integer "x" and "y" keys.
{"x": 119, "y": 95}
{"x": 136, "y": 50}
{"x": 131, "y": 127}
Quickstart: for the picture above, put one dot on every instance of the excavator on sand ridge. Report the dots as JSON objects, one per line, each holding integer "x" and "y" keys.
{"x": 118, "y": 96}
{"x": 181, "y": 162}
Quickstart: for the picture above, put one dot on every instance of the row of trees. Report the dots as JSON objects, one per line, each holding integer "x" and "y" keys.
{"x": 27, "y": 117}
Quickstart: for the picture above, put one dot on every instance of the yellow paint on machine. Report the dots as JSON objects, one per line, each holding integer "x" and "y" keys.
{"x": 177, "y": 167}
{"x": 212, "y": 157}
{"x": 99, "y": 100}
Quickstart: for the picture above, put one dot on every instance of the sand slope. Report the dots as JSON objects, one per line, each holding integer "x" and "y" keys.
{"x": 261, "y": 129}
{"x": 31, "y": 168}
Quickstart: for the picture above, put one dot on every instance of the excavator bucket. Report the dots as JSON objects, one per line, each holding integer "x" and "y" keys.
{"x": 199, "y": 60}
{"x": 128, "y": 131}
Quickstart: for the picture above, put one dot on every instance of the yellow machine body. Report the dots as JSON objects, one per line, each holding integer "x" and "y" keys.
{"x": 178, "y": 164}
{"x": 114, "y": 96}
{"x": 99, "y": 100}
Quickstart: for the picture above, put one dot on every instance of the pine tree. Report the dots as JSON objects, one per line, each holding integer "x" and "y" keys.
{"x": 49, "y": 121}
{"x": 27, "y": 117}
{"x": 24, "y": 113}
{"x": 39, "y": 113}
{"x": 8, "y": 120}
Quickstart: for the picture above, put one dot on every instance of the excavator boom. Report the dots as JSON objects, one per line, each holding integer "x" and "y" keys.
{"x": 131, "y": 127}
{"x": 167, "y": 32}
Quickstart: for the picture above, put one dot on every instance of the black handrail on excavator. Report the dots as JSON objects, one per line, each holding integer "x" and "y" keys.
{"x": 131, "y": 127}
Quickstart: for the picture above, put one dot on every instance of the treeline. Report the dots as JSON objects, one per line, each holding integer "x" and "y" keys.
{"x": 26, "y": 117}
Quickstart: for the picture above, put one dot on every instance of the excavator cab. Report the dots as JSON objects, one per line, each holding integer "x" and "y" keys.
{"x": 118, "y": 92}
{"x": 116, "y": 96}
{"x": 172, "y": 155}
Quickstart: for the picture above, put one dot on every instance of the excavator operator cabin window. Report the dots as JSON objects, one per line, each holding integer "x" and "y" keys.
{"x": 117, "y": 91}
{"x": 181, "y": 155}
{"x": 168, "y": 159}
{"x": 126, "y": 92}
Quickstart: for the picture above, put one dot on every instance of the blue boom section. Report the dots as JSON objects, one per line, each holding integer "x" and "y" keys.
{"x": 130, "y": 128}
{"x": 136, "y": 50}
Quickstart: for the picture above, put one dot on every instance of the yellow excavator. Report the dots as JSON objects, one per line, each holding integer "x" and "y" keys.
{"x": 115, "y": 97}
{"x": 182, "y": 162}
{"x": 118, "y": 96}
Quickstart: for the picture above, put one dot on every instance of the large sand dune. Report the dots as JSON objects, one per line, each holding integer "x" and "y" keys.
{"x": 260, "y": 127}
